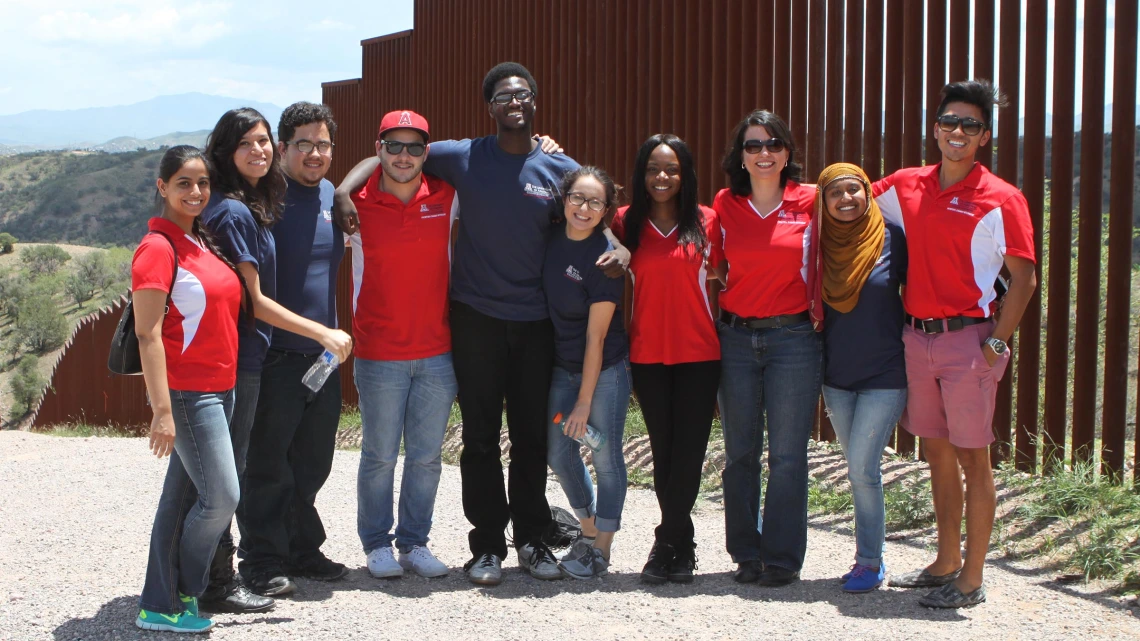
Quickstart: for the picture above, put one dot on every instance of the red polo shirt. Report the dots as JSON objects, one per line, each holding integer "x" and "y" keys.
{"x": 956, "y": 239}
{"x": 401, "y": 259}
{"x": 671, "y": 321}
{"x": 199, "y": 333}
{"x": 767, "y": 252}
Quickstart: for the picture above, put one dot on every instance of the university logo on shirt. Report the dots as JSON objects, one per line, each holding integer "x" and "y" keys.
{"x": 432, "y": 211}
{"x": 786, "y": 217}
{"x": 327, "y": 215}
{"x": 544, "y": 193}
{"x": 573, "y": 274}
{"x": 961, "y": 207}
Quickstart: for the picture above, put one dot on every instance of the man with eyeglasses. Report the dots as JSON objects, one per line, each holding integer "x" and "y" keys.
{"x": 401, "y": 256}
{"x": 501, "y": 333}
{"x": 962, "y": 224}
{"x": 294, "y": 431}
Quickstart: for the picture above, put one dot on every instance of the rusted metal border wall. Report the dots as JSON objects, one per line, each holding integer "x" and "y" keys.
{"x": 83, "y": 389}
{"x": 857, "y": 80}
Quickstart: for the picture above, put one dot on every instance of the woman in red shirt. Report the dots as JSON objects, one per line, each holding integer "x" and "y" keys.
{"x": 674, "y": 351}
{"x": 770, "y": 353}
{"x": 187, "y": 330}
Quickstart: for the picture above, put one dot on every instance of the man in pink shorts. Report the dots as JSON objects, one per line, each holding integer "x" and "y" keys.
{"x": 962, "y": 224}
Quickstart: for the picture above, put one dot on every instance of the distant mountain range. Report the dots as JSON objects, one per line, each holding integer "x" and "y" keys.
{"x": 97, "y": 126}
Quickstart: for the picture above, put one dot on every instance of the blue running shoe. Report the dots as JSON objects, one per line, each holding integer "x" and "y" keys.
{"x": 865, "y": 578}
{"x": 182, "y": 622}
{"x": 190, "y": 603}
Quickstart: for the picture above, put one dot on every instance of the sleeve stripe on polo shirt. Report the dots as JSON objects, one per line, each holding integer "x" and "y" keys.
{"x": 891, "y": 208}
{"x": 987, "y": 249}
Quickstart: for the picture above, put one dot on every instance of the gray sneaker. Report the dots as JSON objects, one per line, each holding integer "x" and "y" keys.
{"x": 537, "y": 559}
{"x": 485, "y": 569}
{"x": 584, "y": 561}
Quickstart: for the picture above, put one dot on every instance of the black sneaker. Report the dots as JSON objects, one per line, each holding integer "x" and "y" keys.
{"x": 775, "y": 576}
{"x": 271, "y": 582}
{"x": 318, "y": 568}
{"x": 235, "y": 598}
{"x": 656, "y": 570}
{"x": 684, "y": 562}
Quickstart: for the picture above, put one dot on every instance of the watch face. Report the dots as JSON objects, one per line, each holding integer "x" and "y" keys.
{"x": 998, "y": 346}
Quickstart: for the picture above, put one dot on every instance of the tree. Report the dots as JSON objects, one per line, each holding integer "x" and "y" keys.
{"x": 79, "y": 288}
{"x": 44, "y": 259}
{"x": 7, "y": 243}
{"x": 26, "y": 385}
{"x": 13, "y": 292}
{"x": 41, "y": 326}
{"x": 91, "y": 273}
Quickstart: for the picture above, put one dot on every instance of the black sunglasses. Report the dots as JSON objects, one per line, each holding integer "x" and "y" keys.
{"x": 523, "y": 97}
{"x": 395, "y": 147}
{"x": 970, "y": 127}
{"x": 774, "y": 145}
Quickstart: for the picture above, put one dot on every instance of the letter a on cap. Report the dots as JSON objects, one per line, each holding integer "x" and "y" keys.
{"x": 405, "y": 119}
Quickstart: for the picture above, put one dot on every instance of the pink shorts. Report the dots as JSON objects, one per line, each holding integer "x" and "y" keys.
{"x": 951, "y": 389}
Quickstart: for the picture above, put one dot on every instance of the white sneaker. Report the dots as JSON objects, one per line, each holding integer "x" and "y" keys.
{"x": 537, "y": 559}
{"x": 421, "y": 561}
{"x": 382, "y": 563}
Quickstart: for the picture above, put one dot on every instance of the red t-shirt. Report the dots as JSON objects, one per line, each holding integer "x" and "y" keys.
{"x": 956, "y": 239}
{"x": 671, "y": 320}
{"x": 199, "y": 332}
{"x": 767, "y": 253}
{"x": 401, "y": 259}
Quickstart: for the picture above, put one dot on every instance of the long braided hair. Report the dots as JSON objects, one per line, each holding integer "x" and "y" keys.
{"x": 171, "y": 162}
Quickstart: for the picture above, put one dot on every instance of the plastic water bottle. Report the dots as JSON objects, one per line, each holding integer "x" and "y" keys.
{"x": 592, "y": 439}
{"x": 315, "y": 378}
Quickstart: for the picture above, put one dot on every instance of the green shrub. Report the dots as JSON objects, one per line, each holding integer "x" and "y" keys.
{"x": 26, "y": 385}
{"x": 909, "y": 504}
{"x": 7, "y": 243}
{"x": 44, "y": 259}
{"x": 41, "y": 326}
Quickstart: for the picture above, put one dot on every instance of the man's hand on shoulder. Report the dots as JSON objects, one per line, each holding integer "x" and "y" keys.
{"x": 549, "y": 145}
{"x": 344, "y": 212}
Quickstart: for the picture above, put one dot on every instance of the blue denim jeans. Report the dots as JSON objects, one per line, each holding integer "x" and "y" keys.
{"x": 863, "y": 422}
{"x": 241, "y": 422}
{"x": 409, "y": 400}
{"x": 564, "y": 454}
{"x": 770, "y": 379}
{"x": 198, "y": 500}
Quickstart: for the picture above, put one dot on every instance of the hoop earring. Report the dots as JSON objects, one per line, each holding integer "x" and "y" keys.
{"x": 742, "y": 166}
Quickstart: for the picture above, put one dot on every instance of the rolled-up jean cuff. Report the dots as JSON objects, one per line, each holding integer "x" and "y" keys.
{"x": 607, "y": 525}
{"x": 585, "y": 512}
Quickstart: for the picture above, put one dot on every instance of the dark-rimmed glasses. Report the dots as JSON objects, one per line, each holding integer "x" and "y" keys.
{"x": 578, "y": 200}
{"x": 523, "y": 97}
{"x": 774, "y": 145}
{"x": 970, "y": 127}
{"x": 323, "y": 147}
{"x": 395, "y": 147}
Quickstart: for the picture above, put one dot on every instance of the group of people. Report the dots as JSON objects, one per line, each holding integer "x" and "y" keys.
{"x": 495, "y": 269}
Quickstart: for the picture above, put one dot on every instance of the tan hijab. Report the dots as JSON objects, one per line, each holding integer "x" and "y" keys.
{"x": 848, "y": 251}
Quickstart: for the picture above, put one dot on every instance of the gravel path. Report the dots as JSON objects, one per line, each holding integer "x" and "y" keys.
{"x": 75, "y": 515}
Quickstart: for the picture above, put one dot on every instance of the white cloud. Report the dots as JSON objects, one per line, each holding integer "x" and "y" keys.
{"x": 159, "y": 24}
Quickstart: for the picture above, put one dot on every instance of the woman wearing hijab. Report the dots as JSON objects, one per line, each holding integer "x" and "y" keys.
{"x": 857, "y": 267}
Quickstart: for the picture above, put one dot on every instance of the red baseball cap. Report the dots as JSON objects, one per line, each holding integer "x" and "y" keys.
{"x": 404, "y": 120}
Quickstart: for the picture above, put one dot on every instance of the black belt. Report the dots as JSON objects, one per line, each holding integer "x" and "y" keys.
{"x": 783, "y": 320}
{"x": 940, "y": 325}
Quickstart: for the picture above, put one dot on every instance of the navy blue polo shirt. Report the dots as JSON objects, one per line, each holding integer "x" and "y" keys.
{"x": 573, "y": 283}
{"x": 310, "y": 247}
{"x": 506, "y": 203}
{"x": 863, "y": 348}
{"x": 243, "y": 240}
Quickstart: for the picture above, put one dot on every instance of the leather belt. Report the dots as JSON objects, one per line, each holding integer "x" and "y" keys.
{"x": 783, "y": 320}
{"x": 940, "y": 325}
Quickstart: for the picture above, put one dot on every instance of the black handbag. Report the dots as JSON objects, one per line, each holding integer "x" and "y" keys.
{"x": 123, "y": 357}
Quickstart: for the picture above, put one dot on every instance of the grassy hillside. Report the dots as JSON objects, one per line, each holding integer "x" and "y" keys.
{"x": 77, "y": 197}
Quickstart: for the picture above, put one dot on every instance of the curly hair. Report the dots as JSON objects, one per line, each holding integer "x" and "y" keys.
{"x": 266, "y": 201}
{"x": 303, "y": 113}
{"x": 505, "y": 70}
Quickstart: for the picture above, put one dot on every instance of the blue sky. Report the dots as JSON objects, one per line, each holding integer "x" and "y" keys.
{"x": 63, "y": 54}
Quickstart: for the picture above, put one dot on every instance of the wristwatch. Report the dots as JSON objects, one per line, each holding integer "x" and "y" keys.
{"x": 997, "y": 344}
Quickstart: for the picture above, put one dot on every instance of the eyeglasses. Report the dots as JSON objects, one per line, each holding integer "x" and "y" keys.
{"x": 774, "y": 145}
{"x": 578, "y": 200}
{"x": 970, "y": 127}
{"x": 523, "y": 97}
{"x": 395, "y": 147}
{"x": 323, "y": 147}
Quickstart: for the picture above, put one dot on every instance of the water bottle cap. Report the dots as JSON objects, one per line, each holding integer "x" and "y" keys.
{"x": 558, "y": 417}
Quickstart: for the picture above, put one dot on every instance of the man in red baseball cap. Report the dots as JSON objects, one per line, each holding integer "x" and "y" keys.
{"x": 404, "y": 374}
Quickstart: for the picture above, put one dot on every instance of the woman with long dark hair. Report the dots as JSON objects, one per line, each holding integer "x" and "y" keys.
{"x": 590, "y": 382}
{"x": 247, "y": 200}
{"x": 770, "y": 352}
{"x": 186, "y": 296}
{"x": 674, "y": 351}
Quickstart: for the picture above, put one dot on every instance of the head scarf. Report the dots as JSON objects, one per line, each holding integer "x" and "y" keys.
{"x": 844, "y": 253}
